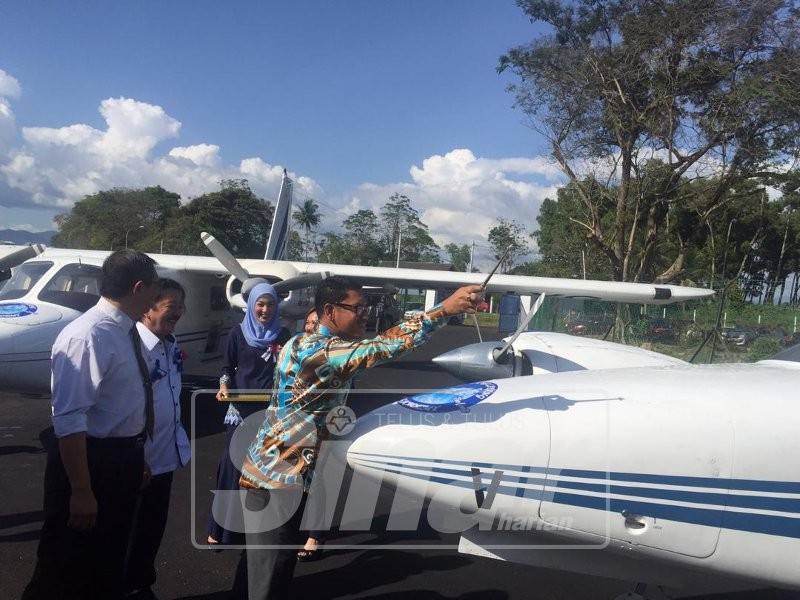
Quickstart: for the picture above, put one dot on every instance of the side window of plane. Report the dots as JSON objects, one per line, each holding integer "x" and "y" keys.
{"x": 75, "y": 286}
{"x": 23, "y": 278}
{"x": 218, "y": 301}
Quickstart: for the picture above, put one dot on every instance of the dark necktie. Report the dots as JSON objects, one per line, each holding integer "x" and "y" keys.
{"x": 149, "y": 413}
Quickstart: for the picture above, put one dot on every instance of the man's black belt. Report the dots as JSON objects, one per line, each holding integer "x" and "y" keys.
{"x": 135, "y": 441}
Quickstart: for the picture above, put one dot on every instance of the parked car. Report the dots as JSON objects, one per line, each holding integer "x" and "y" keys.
{"x": 791, "y": 339}
{"x": 660, "y": 330}
{"x": 590, "y": 325}
{"x": 738, "y": 336}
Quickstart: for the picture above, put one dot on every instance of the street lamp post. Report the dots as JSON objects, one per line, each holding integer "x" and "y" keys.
{"x": 127, "y": 231}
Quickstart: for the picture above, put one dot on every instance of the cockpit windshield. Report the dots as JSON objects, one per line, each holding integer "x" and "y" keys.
{"x": 23, "y": 278}
{"x": 75, "y": 286}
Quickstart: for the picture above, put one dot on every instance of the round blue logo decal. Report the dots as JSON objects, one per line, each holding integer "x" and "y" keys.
{"x": 449, "y": 399}
{"x": 16, "y": 309}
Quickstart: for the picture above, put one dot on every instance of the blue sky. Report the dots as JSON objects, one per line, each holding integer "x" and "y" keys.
{"x": 350, "y": 95}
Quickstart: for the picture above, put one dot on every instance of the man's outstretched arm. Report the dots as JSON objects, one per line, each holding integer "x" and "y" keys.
{"x": 348, "y": 357}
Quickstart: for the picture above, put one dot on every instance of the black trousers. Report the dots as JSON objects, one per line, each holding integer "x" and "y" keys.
{"x": 149, "y": 523}
{"x": 73, "y": 565}
{"x": 266, "y": 573}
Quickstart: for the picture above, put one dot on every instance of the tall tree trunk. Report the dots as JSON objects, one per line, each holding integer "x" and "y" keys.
{"x": 779, "y": 268}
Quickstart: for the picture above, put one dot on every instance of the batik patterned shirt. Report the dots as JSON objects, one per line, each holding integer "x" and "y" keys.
{"x": 312, "y": 376}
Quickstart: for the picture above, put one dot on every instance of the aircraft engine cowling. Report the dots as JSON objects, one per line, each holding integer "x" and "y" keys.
{"x": 278, "y": 272}
{"x": 295, "y": 301}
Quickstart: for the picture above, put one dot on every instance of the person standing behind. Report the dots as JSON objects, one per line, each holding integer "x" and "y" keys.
{"x": 249, "y": 365}
{"x": 102, "y": 410}
{"x": 169, "y": 448}
{"x": 311, "y": 550}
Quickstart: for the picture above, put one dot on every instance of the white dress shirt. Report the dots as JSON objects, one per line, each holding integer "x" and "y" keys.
{"x": 169, "y": 448}
{"x": 96, "y": 384}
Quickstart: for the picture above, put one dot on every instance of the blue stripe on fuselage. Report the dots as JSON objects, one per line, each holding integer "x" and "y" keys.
{"x": 715, "y": 517}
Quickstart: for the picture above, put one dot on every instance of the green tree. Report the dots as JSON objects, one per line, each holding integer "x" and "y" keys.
{"x": 400, "y": 222}
{"x": 459, "y": 256}
{"x": 358, "y": 244}
{"x": 307, "y": 216}
{"x": 508, "y": 235}
{"x": 294, "y": 246}
{"x": 709, "y": 88}
{"x": 101, "y": 221}
{"x": 234, "y": 215}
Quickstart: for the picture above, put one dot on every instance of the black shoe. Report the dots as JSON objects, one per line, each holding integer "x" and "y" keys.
{"x": 142, "y": 594}
{"x": 309, "y": 555}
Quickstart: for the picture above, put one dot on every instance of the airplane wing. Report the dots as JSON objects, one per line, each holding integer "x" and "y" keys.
{"x": 640, "y": 293}
{"x": 643, "y": 293}
{"x": 11, "y": 256}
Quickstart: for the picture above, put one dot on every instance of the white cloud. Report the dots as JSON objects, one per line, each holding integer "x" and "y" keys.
{"x": 9, "y": 86}
{"x": 206, "y": 155}
{"x": 56, "y": 166}
{"x": 8, "y": 127}
{"x": 460, "y": 196}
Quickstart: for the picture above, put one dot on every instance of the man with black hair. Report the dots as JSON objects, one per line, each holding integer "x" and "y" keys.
{"x": 102, "y": 411}
{"x": 312, "y": 377}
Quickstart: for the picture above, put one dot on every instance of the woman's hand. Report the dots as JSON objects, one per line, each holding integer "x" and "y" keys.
{"x": 222, "y": 394}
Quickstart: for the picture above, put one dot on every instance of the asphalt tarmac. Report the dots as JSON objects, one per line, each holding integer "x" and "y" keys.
{"x": 186, "y": 572}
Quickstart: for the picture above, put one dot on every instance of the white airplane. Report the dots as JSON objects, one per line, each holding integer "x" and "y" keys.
{"x": 48, "y": 291}
{"x": 602, "y": 459}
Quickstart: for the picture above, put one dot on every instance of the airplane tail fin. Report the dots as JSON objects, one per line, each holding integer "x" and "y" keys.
{"x": 279, "y": 232}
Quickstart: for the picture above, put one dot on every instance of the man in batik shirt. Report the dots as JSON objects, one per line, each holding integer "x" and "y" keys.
{"x": 313, "y": 374}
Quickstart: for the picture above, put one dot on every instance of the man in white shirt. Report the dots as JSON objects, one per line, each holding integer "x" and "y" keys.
{"x": 102, "y": 410}
{"x": 169, "y": 448}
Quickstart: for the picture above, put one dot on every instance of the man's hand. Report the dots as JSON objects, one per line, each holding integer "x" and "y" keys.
{"x": 147, "y": 475}
{"x": 463, "y": 300}
{"x": 82, "y": 509}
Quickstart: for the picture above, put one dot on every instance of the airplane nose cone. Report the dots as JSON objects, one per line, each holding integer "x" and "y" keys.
{"x": 474, "y": 362}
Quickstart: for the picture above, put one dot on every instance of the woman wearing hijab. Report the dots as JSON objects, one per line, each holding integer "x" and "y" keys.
{"x": 249, "y": 365}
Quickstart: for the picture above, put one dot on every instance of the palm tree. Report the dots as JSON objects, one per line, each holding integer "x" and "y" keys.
{"x": 307, "y": 217}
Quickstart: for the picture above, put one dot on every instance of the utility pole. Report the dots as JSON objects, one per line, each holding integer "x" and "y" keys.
{"x": 471, "y": 257}
{"x": 399, "y": 240}
{"x": 127, "y": 231}
{"x": 583, "y": 262}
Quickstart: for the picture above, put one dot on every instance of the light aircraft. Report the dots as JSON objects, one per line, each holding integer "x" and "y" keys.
{"x": 593, "y": 457}
{"x": 48, "y": 291}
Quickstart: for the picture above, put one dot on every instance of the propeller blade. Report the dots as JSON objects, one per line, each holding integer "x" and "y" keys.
{"x": 223, "y": 256}
{"x": 300, "y": 281}
{"x": 501, "y": 354}
{"x": 20, "y": 256}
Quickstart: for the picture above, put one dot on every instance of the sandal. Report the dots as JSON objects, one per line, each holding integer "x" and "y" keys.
{"x": 309, "y": 555}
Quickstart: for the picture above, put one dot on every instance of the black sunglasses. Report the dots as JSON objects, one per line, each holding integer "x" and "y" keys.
{"x": 359, "y": 309}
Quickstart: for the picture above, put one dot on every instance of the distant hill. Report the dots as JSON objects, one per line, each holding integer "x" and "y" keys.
{"x": 20, "y": 236}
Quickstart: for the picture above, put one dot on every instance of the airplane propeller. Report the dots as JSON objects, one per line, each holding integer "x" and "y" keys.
{"x": 501, "y": 355}
{"x": 234, "y": 267}
{"x": 227, "y": 259}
